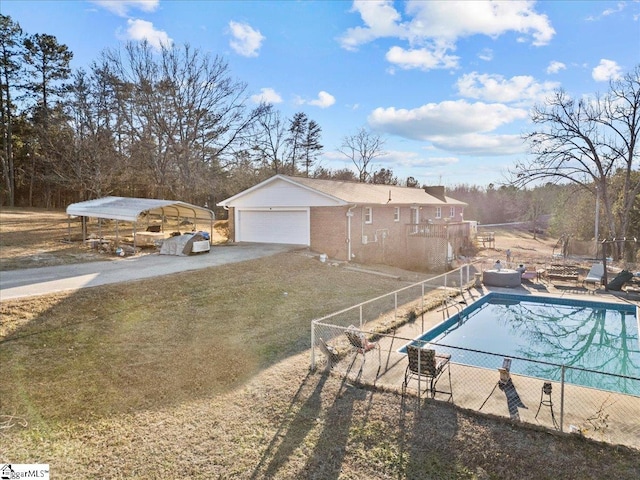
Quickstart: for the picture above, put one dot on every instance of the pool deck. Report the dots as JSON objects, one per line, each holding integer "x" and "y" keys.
{"x": 601, "y": 415}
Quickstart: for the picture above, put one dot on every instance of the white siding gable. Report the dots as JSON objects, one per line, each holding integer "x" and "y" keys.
{"x": 281, "y": 193}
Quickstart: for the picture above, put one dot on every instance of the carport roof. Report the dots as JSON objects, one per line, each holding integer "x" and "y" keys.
{"x": 129, "y": 209}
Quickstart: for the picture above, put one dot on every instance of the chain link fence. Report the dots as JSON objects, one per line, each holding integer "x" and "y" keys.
{"x": 560, "y": 397}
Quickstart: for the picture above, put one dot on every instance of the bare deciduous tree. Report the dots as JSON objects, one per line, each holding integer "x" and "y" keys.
{"x": 586, "y": 142}
{"x": 271, "y": 143}
{"x": 362, "y": 148}
{"x": 187, "y": 118}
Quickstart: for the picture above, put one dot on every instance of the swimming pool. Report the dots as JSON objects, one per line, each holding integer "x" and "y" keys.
{"x": 543, "y": 332}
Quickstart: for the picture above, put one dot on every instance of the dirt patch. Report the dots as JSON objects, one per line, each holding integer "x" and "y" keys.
{"x": 40, "y": 238}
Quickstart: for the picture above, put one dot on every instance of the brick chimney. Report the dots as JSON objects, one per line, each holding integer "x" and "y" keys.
{"x": 436, "y": 191}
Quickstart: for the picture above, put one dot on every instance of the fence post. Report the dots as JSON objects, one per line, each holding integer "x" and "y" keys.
{"x": 562, "y": 397}
{"x": 422, "y": 306}
{"x": 313, "y": 346}
{"x": 360, "y": 316}
{"x": 419, "y": 375}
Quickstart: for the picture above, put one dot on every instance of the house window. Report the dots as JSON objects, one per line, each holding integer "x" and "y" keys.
{"x": 438, "y": 212}
{"x": 368, "y": 215}
{"x": 396, "y": 214}
{"x": 452, "y": 212}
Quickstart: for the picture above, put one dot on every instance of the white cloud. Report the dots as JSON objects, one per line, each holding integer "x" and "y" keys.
{"x": 521, "y": 89}
{"x": 459, "y": 126}
{"x": 620, "y": 6}
{"x": 445, "y": 118}
{"x": 486, "y": 54}
{"x": 454, "y": 20}
{"x": 421, "y": 58}
{"x": 481, "y": 145}
{"x": 267, "y": 95}
{"x": 122, "y": 7}
{"x": 324, "y": 100}
{"x": 606, "y": 70}
{"x": 555, "y": 67}
{"x": 140, "y": 30}
{"x": 433, "y": 28}
{"x": 246, "y": 40}
{"x": 409, "y": 159}
{"x": 610, "y": 11}
{"x": 380, "y": 19}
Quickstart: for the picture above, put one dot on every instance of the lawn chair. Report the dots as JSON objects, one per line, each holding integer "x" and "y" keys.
{"x": 425, "y": 363}
{"x": 595, "y": 275}
{"x": 361, "y": 345}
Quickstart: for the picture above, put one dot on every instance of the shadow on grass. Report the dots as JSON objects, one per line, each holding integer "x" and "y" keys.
{"x": 429, "y": 444}
{"x": 327, "y": 457}
{"x": 154, "y": 343}
{"x": 302, "y": 418}
{"x": 294, "y": 431}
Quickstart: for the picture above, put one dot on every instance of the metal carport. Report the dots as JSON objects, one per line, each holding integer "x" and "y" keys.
{"x": 131, "y": 209}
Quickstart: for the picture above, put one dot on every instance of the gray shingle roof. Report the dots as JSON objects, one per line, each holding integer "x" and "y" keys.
{"x": 367, "y": 193}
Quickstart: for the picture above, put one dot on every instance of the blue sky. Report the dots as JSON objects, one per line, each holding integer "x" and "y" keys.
{"x": 448, "y": 84}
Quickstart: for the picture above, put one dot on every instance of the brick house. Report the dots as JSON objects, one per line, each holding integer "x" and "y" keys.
{"x": 411, "y": 228}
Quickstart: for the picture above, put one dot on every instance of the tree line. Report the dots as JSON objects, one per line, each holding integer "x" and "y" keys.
{"x": 172, "y": 123}
{"x": 175, "y": 124}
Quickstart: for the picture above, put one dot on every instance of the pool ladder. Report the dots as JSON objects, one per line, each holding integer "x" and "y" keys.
{"x": 449, "y": 302}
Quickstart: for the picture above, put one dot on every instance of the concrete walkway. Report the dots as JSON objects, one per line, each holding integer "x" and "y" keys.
{"x": 40, "y": 281}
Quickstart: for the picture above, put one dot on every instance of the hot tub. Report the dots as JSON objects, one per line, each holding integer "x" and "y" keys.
{"x": 505, "y": 277}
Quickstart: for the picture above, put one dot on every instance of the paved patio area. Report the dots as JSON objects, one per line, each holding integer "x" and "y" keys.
{"x": 598, "y": 414}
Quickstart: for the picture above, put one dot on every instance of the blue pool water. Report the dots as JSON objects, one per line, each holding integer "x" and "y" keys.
{"x": 594, "y": 336}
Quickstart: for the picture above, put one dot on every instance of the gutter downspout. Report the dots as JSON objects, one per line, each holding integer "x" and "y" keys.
{"x": 349, "y": 215}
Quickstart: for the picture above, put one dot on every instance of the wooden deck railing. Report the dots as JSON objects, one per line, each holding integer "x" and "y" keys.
{"x": 438, "y": 230}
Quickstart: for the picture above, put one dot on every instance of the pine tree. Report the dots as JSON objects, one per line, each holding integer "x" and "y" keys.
{"x": 11, "y": 49}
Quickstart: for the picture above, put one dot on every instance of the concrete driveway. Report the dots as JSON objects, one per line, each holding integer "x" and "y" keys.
{"x": 39, "y": 281}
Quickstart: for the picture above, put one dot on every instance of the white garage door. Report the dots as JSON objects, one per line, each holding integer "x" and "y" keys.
{"x": 273, "y": 226}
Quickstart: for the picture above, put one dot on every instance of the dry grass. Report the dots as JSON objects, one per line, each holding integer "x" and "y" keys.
{"x": 37, "y": 238}
{"x": 206, "y": 376}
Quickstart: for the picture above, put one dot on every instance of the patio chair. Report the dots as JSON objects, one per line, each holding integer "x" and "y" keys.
{"x": 595, "y": 275}
{"x": 361, "y": 345}
{"x": 425, "y": 363}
